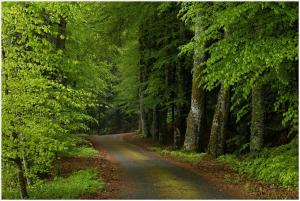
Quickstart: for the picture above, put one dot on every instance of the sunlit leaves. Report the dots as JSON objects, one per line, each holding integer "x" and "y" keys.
{"x": 46, "y": 91}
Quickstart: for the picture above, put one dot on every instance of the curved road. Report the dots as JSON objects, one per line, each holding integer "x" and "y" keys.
{"x": 150, "y": 177}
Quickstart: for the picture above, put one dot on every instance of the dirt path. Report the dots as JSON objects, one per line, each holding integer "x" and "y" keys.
{"x": 146, "y": 176}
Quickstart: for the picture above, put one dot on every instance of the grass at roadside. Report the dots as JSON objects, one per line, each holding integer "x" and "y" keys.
{"x": 72, "y": 187}
{"x": 79, "y": 147}
{"x": 275, "y": 165}
{"x": 180, "y": 155}
{"x": 81, "y": 152}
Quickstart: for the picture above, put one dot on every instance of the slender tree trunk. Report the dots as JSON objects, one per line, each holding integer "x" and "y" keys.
{"x": 257, "y": 119}
{"x": 177, "y": 133}
{"x": 155, "y": 133}
{"x": 148, "y": 122}
{"x": 99, "y": 120}
{"x": 196, "y": 116}
{"x": 217, "y": 139}
{"x": 141, "y": 115}
{"x": 143, "y": 123}
{"x": 162, "y": 126}
{"x": 143, "y": 130}
{"x": 179, "y": 121}
{"x": 26, "y": 169}
{"x": 22, "y": 179}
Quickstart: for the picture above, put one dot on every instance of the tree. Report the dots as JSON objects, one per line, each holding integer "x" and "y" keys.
{"x": 217, "y": 142}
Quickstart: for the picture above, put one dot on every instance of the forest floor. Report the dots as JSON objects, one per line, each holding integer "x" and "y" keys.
{"x": 220, "y": 175}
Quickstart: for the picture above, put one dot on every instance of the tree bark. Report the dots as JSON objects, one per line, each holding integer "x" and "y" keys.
{"x": 162, "y": 126}
{"x": 180, "y": 114}
{"x": 143, "y": 123}
{"x": 196, "y": 116}
{"x": 155, "y": 133}
{"x": 217, "y": 139}
{"x": 22, "y": 179}
{"x": 257, "y": 119}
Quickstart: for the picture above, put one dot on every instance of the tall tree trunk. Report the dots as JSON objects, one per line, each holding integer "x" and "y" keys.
{"x": 217, "y": 139}
{"x": 257, "y": 119}
{"x": 196, "y": 117}
{"x": 148, "y": 122}
{"x": 179, "y": 121}
{"x": 162, "y": 126}
{"x": 22, "y": 179}
{"x": 141, "y": 112}
{"x": 155, "y": 132}
{"x": 142, "y": 122}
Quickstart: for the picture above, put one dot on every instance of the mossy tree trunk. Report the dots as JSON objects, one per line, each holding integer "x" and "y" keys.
{"x": 257, "y": 119}
{"x": 217, "y": 139}
{"x": 196, "y": 116}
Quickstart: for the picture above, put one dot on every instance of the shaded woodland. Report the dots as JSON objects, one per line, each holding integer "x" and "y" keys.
{"x": 215, "y": 77}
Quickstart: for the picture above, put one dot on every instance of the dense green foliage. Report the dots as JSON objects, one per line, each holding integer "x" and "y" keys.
{"x": 81, "y": 67}
{"x": 277, "y": 165}
{"x": 72, "y": 187}
{"x": 47, "y": 94}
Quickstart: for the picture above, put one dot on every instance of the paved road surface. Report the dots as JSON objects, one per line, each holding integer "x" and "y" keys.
{"x": 150, "y": 177}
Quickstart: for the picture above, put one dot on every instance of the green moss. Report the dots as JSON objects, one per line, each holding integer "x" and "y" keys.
{"x": 181, "y": 155}
{"x": 276, "y": 165}
{"x": 72, "y": 187}
{"x": 81, "y": 152}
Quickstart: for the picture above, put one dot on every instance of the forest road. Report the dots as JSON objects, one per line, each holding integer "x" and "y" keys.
{"x": 147, "y": 176}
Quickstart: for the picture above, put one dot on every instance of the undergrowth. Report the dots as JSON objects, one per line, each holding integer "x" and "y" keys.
{"x": 72, "y": 187}
{"x": 181, "y": 155}
{"x": 81, "y": 152}
{"x": 79, "y": 147}
{"x": 277, "y": 165}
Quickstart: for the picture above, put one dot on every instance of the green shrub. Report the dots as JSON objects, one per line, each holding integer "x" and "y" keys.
{"x": 81, "y": 152}
{"x": 179, "y": 154}
{"x": 276, "y": 165}
{"x": 72, "y": 187}
{"x": 78, "y": 146}
{"x": 156, "y": 149}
